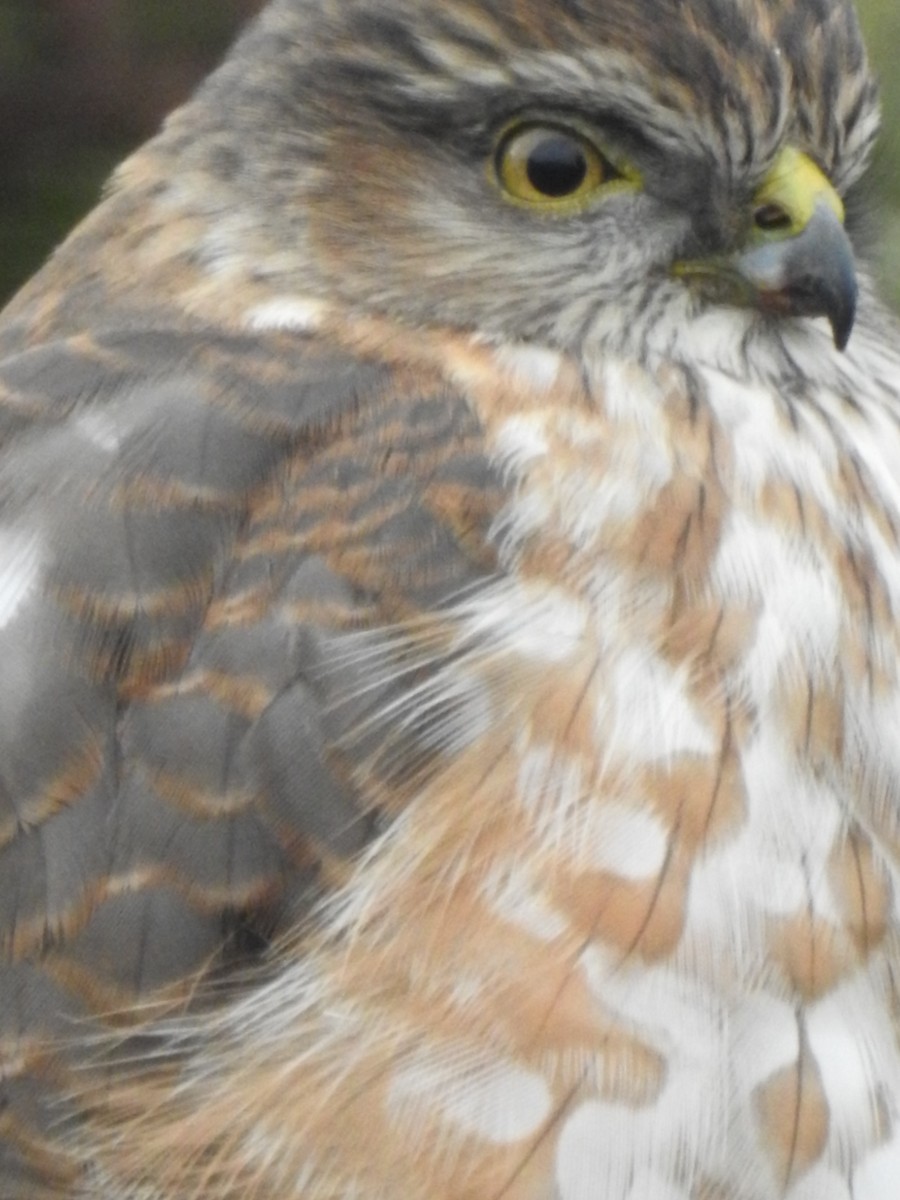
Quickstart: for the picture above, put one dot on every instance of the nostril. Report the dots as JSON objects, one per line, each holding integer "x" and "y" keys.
{"x": 771, "y": 218}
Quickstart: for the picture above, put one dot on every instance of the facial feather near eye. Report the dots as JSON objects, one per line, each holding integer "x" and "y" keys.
{"x": 699, "y": 123}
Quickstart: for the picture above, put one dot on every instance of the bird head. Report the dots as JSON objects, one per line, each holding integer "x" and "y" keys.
{"x": 582, "y": 171}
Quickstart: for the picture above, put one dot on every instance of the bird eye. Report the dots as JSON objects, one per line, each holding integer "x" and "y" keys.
{"x": 552, "y": 167}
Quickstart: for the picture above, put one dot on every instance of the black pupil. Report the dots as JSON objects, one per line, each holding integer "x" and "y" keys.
{"x": 556, "y": 166}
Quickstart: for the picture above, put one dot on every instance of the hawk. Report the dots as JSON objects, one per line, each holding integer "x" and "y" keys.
{"x": 450, "y": 625}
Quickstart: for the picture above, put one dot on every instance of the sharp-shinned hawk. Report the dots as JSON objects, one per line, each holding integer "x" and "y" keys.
{"x": 450, "y": 625}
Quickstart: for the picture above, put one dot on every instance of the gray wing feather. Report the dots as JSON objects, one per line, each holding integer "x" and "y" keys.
{"x": 195, "y": 529}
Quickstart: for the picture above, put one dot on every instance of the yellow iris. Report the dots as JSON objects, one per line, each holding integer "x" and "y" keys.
{"x": 553, "y": 167}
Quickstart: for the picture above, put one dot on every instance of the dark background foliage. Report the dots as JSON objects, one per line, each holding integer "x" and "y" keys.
{"x": 83, "y": 81}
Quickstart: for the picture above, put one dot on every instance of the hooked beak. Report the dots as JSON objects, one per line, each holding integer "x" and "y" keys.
{"x": 798, "y": 261}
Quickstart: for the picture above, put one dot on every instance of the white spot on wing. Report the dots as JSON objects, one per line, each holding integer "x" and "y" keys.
{"x": 590, "y": 830}
{"x": 505, "y": 1103}
{"x": 20, "y": 563}
{"x": 296, "y": 313}
{"x": 800, "y": 621}
{"x": 632, "y": 397}
{"x": 596, "y": 1155}
{"x": 646, "y": 694}
{"x": 99, "y": 430}
{"x": 624, "y": 840}
{"x": 541, "y": 623}
{"x": 604, "y": 1145}
{"x": 762, "y": 1039}
{"x": 852, "y": 1039}
{"x": 843, "y": 1061}
{"x": 775, "y": 865}
{"x": 533, "y": 366}
{"x": 764, "y": 445}
{"x": 876, "y": 1178}
{"x": 520, "y": 441}
{"x": 497, "y": 1100}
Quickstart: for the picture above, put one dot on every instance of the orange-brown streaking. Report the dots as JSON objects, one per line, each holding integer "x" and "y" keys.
{"x": 450, "y": 654}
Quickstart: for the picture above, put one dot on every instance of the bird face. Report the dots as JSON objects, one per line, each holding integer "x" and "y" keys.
{"x": 584, "y": 171}
{"x": 566, "y": 692}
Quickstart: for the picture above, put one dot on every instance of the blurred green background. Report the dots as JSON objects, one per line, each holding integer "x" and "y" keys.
{"x": 881, "y": 20}
{"x": 82, "y": 81}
